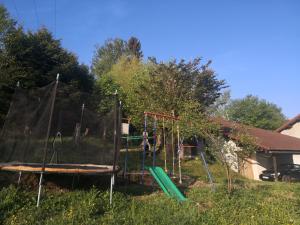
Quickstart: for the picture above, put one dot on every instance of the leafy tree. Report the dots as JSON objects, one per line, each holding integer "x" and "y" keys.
{"x": 232, "y": 155}
{"x": 7, "y": 25}
{"x": 219, "y": 107}
{"x": 255, "y": 112}
{"x": 112, "y": 51}
{"x": 108, "y": 55}
{"x": 173, "y": 83}
{"x": 34, "y": 59}
{"x": 162, "y": 87}
{"x": 135, "y": 47}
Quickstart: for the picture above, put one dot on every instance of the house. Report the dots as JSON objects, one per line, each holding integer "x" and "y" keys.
{"x": 292, "y": 128}
{"x": 273, "y": 148}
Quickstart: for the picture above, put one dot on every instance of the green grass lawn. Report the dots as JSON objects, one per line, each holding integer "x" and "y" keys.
{"x": 251, "y": 203}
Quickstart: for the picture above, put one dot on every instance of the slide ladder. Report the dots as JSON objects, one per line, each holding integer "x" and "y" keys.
{"x": 166, "y": 183}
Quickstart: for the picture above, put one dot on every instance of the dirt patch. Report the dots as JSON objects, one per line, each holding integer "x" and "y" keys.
{"x": 199, "y": 183}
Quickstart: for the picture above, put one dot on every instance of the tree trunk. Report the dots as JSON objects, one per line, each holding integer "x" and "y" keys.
{"x": 229, "y": 179}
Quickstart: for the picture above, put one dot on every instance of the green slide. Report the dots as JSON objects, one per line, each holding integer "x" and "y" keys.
{"x": 166, "y": 183}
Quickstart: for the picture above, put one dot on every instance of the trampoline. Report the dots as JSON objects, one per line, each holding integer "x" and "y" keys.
{"x": 58, "y": 129}
{"x": 88, "y": 169}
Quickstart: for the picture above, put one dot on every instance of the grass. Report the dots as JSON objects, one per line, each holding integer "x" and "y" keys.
{"x": 251, "y": 203}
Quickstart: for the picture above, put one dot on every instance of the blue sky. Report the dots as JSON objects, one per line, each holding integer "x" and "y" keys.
{"x": 254, "y": 44}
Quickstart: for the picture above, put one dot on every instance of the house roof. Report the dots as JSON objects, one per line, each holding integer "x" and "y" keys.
{"x": 289, "y": 123}
{"x": 266, "y": 140}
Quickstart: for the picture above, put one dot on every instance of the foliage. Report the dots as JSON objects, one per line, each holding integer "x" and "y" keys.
{"x": 219, "y": 107}
{"x": 34, "y": 59}
{"x": 7, "y": 25}
{"x": 255, "y": 112}
{"x": 135, "y": 47}
{"x": 113, "y": 49}
{"x": 108, "y": 55}
{"x": 232, "y": 155}
{"x": 165, "y": 87}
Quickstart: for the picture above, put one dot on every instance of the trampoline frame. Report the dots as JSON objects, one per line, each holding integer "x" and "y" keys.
{"x": 88, "y": 169}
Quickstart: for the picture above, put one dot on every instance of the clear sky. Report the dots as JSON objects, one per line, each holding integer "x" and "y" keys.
{"x": 254, "y": 44}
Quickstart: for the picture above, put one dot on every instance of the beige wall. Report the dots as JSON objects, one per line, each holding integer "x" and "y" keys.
{"x": 294, "y": 131}
{"x": 260, "y": 162}
{"x": 296, "y": 158}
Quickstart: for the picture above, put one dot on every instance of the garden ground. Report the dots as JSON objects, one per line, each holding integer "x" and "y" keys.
{"x": 251, "y": 202}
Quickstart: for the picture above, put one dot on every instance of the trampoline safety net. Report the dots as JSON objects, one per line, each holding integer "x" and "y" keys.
{"x": 55, "y": 125}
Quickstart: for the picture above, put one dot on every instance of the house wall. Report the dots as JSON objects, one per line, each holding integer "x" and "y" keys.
{"x": 258, "y": 162}
{"x": 296, "y": 158}
{"x": 294, "y": 131}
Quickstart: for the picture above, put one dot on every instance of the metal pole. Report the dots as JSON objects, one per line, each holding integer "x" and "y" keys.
{"x": 154, "y": 140}
{"x": 81, "y": 117}
{"x": 179, "y": 150}
{"x": 165, "y": 150}
{"x": 111, "y": 188}
{"x": 126, "y": 153}
{"x": 19, "y": 179}
{"x": 205, "y": 165}
{"x": 47, "y": 139}
{"x": 126, "y": 157}
{"x": 40, "y": 190}
{"x": 145, "y": 145}
{"x": 173, "y": 149}
{"x": 116, "y": 117}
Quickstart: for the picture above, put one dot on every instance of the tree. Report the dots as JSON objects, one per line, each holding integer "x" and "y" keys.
{"x": 219, "y": 107}
{"x": 112, "y": 51}
{"x": 163, "y": 87}
{"x": 7, "y": 25}
{"x": 232, "y": 155}
{"x": 135, "y": 47}
{"x": 108, "y": 55}
{"x": 34, "y": 59}
{"x": 255, "y": 112}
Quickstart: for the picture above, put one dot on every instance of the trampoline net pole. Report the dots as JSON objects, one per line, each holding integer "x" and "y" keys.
{"x": 19, "y": 178}
{"x": 49, "y": 124}
{"x": 47, "y": 140}
{"x": 40, "y": 190}
{"x": 111, "y": 188}
{"x": 116, "y": 130}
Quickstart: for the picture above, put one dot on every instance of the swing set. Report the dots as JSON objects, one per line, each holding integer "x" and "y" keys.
{"x": 158, "y": 142}
{"x": 155, "y": 148}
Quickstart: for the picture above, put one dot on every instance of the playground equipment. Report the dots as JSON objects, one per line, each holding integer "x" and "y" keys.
{"x": 205, "y": 164}
{"x": 83, "y": 141}
{"x": 156, "y": 117}
{"x": 140, "y": 148}
{"x": 166, "y": 183}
